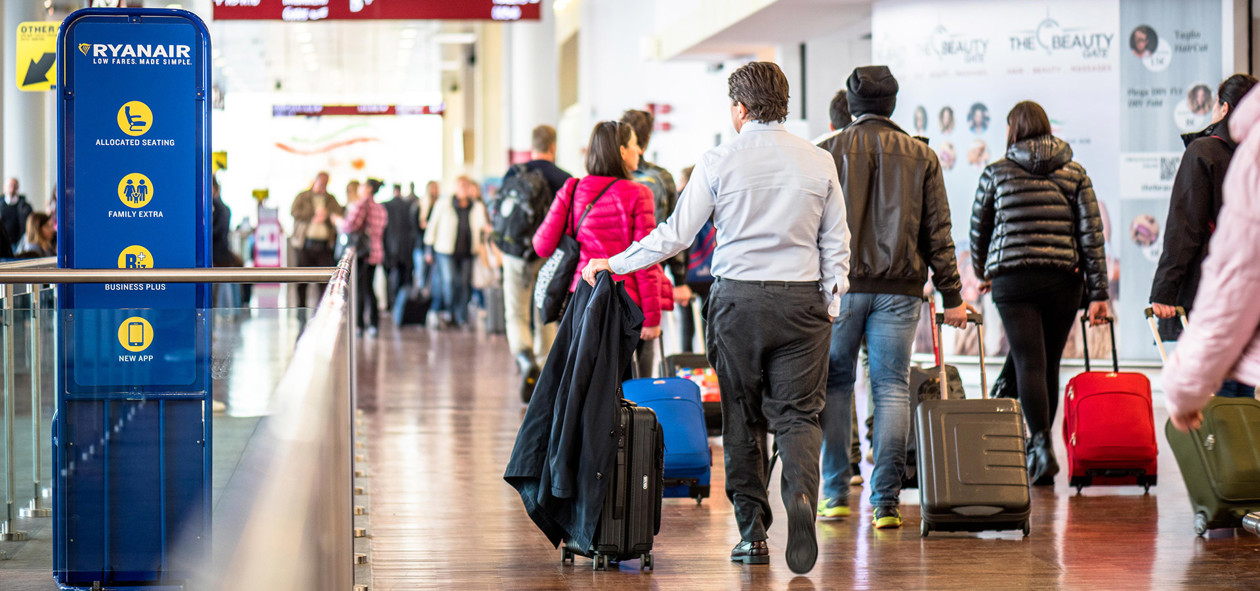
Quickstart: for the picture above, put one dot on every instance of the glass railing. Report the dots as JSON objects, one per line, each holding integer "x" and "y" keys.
{"x": 280, "y": 508}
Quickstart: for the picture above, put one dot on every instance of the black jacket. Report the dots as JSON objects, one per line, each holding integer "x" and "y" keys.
{"x": 220, "y": 230}
{"x": 1192, "y": 211}
{"x": 402, "y": 229}
{"x": 1035, "y": 209}
{"x": 565, "y": 447}
{"x": 14, "y": 218}
{"x": 897, "y": 210}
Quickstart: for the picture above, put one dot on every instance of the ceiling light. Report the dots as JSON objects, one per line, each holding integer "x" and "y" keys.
{"x": 409, "y": 33}
{"x": 407, "y": 43}
{"x": 308, "y": 48}
{"x": 455, "y": 38}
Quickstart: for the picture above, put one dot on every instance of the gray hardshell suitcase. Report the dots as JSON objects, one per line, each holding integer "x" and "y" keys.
{"x": 631, "y": 517}
{"x": 972, "y": 467}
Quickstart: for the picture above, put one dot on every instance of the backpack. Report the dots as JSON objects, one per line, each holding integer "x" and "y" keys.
{"x": 519, "y": 210}
{"x": 700, "y": 256}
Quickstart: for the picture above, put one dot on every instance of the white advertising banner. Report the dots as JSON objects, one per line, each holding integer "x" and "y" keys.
{"x": 963, "y": 64}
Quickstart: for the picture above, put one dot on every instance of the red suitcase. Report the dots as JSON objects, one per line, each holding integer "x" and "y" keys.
{"x": 1109, "y": 425}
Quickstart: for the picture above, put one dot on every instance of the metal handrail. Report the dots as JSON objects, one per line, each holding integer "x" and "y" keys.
{"x": 207, "y": 275}
{"x": 44, "y": 263}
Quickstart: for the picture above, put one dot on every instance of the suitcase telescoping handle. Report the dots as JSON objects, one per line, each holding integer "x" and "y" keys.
{"x": 1154, "y": 322}
{"x": 977, "y": 320}
{"x": 1111, "y": 325}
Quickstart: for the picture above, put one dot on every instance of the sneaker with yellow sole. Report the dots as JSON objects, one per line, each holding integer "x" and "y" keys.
{"x": 833, "y": 508}
{"x": 886, "y": 518}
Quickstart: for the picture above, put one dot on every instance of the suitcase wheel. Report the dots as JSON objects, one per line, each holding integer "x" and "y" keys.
{"x": 1027, "y": 529}
{"x": 924, "y": 529}
{"x": 601, "y": 562}
{"x": 566, "y": 555}
{"x": 1200, "y": 524}
{"x": 645, "y": 563}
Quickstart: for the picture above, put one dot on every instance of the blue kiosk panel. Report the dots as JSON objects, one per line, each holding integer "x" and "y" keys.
{"x": 131, "y": 499}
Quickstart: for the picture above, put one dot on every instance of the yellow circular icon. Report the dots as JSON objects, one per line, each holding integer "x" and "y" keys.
{"x": 135, "y": 257}
{"x": 135, "y": 118}
{"x": 135, "y": 190}
{"x": 135, "y": 334}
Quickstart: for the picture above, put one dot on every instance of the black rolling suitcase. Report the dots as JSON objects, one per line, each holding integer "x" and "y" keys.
{"x": 972, "y": 468}
{"x": 631, "y": 517}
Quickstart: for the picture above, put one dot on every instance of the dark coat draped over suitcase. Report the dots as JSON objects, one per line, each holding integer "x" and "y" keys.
{"x": 565, "y": 448}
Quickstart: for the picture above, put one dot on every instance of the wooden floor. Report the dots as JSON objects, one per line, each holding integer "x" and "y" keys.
{"x": 442, "y": 415}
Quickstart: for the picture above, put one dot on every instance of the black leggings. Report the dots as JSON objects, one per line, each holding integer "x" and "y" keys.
{"x": 367, "y": 296}
{"x": 1037, "y": 327}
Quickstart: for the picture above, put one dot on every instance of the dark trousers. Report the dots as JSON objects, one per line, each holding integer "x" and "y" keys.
{"x": 768, "y": 343}
{"x": 400, "y": 276}
{"x": 368, "y": 307}
{"x": 1037, "y": 327}
{"x": 314, "y": 253}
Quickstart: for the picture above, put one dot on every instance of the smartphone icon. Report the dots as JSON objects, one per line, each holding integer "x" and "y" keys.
{"x": 135, "y": 334}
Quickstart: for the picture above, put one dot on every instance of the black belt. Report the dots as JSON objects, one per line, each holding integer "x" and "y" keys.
{"x": 815, "y": 285}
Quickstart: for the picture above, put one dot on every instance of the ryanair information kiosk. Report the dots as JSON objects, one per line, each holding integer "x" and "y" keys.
{"x": 131, "y": 437}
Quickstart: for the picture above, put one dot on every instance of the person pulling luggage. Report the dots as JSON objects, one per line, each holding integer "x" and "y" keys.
{"x": 904, "y": 229}
{"x": 781, "y": 262}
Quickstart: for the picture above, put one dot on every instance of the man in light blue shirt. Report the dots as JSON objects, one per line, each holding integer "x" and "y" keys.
{"x": 781, "y": 262}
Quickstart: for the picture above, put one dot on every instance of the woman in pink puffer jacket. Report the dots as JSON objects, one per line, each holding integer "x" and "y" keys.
{"x": 1224, "y": 339}
{"x": 623, "y": 214}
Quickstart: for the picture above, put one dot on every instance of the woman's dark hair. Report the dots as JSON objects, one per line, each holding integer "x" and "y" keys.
{"x": 375, "y": 184}
{"x": 1026, "y": 120}
{"x": 840, "y": 115}
{"x": 763, "y": 89}
{"x": 1152, "y": 38}
{"x": 1234, "y": 88}
{"x": 603, "y": 153}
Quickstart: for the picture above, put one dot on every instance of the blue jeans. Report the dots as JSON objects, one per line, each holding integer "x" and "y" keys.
{"x": 456, "y": 283}
{"x": 888, "y": 322}
{"x": 1232, "y": 389}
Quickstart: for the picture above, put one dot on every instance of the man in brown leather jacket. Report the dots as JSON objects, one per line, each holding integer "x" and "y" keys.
{"x": 314, "y": 234}
{"x": 899, "y": 221}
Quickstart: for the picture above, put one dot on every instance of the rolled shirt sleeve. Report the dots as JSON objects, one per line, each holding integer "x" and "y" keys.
{"x": 675, "y": 234}
{"x": 833, "y": 246}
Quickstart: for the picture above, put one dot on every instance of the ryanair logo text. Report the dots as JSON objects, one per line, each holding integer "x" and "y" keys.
{"x": 132, "y": 54}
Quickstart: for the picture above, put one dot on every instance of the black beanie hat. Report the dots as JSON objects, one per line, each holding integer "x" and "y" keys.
{"x": 873, "y": 90}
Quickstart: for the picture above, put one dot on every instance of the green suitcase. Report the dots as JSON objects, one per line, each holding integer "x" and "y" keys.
{"x": 1220, "y": 462}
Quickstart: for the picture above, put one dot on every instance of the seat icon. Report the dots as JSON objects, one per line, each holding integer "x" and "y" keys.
{"x": 135, "y": 118}
{"x": 134, "y": 122}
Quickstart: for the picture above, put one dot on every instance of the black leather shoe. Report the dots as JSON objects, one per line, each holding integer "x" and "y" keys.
{"x": 751, "y": 553}
{"x": 802, "y": 546}
{"x": 1042, "y": 467}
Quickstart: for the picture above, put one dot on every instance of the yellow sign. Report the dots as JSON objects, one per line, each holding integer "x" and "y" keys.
{"x": 36, "y": 55}
{"x": 135, "y": 257}
{"x": 135, "y": 334}
{"x": 218, "y": 161}
{"x": 135, "y": 190}
{"x": 135, "y": 118}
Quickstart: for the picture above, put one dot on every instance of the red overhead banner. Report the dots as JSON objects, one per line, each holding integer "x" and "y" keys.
{"x": 321, "y": 110}
{"x": 319, "y": 10}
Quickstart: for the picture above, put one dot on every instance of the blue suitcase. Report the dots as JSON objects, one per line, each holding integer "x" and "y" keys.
{"x": 688, "y": 458}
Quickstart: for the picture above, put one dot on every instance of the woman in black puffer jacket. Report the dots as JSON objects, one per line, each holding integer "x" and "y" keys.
{"x": 1037, "y": 241}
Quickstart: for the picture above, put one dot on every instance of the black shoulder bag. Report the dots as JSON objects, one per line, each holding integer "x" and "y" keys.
{"x": 551, "y": 292}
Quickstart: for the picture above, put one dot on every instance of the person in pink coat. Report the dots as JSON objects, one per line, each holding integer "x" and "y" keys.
{"x": 623, "y": 214}
{"x": 1223, "y": 341}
